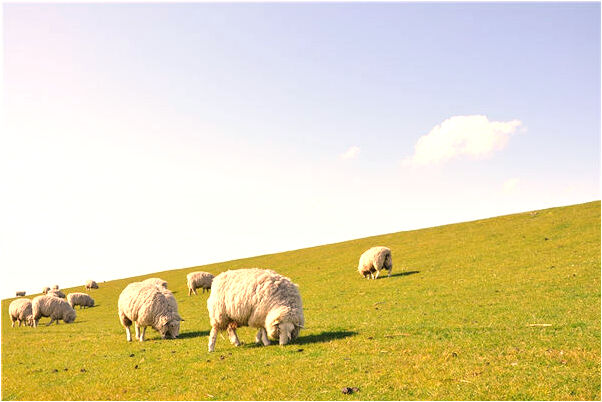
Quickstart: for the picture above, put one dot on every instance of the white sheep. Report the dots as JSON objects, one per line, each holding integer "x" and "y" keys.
{"x": 196, "y": 280}
{"x": 45, "y": 290}
{"x": 254, "y": 297}
{"x": 80, "y": 299}
{"x": 21, "y": 293}
{"x": 145, "y": 304}
{"x": 374, "y": 260}
{"x": 90, "y": 284}
{"x": 20, "y": 311}
{"x": 56, "y": 293}
{"x": 53, "y": 307}
{"x": 156, "y": 281}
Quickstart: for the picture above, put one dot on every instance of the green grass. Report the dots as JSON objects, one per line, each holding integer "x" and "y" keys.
{"x": 451, "y": 323}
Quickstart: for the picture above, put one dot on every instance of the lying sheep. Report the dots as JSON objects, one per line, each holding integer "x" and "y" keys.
{"x": 20, "y": 310}
{"x": 53, "y": 307}
{"x": 45, "y": 290}
{"x": 156, "y": 281}
{"x": 374, "y": 260}
{"x": 145, "y": 304}
{"x": 90, "y": 284}
{"x": 198, "y": 280}
{"x": 21, "y": 293}
{"x": 254, "y": 297}
{"x": 56, "y": 293}
{"x": 80, "y": 299}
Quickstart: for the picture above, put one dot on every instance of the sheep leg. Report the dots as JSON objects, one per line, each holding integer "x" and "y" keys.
{"x": 51, "y": 321}
{"x": 377, "y": 273}
{"x": 137, "y": 327}
{"x": 189, "y": 291}
{"x": 264, "y": 337}
{"x": 128, "y": 334}
{"x": 233, "y": 337}
{"x": 13, "y": 325}
{"x": 212, "y": 339}
{"x": 142, "y": 334}
{"x": 258, "y": 336}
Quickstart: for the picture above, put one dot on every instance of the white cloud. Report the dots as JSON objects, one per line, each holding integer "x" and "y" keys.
{"x": 510, "y": 185}
{"x": 351, "y": 153}
{"x": 473, "y": 136}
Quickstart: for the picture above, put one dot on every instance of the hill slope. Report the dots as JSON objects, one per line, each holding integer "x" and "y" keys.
{"x": 454, "y": 321}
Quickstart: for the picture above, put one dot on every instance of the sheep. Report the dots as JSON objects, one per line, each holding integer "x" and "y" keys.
{"x": 56, "y": 293}
{"x": 156, "y": 281}
{"x": 254, "y": 297}
{"x": 45, "y": 290}
{"x": 90, "y": 284}
{"x": 80, "y": 299}
{"x": 20, "y": 310}
{"x": 55, "y": 287}
{"x": 197, "y": 280}
{"x": 20, "y": 293}
{"x": 147, "y": 304}
{"x": 53, "y": 307}
{"x": 374, "y": 260}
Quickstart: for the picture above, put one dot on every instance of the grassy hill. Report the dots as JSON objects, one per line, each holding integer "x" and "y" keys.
{"x": 456, "y": 320}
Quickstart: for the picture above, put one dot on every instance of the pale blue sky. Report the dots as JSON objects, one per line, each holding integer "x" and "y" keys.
{"x": 143, "y": 137}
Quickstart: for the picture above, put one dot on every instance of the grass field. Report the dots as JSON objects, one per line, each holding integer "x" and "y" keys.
{"x": 454, "y": 321}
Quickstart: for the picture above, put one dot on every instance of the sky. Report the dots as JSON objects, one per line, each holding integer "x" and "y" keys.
{"x": 145, "y": 137}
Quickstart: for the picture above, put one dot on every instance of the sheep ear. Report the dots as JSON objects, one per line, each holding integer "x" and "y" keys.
{"x": 276, "y": 323}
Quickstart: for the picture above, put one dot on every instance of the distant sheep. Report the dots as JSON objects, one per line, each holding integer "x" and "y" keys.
{"x": 56, "y": 293}
{"x": 156, "y": 281}
{"x": 80, "y": 299}
{"x": 53, "y": 307}
{"x": 374, "y": 260}
{"x": 90, "y": 284}
{"x": 21, "y": 293}
{"x": 198, "y": 280}
{"x": 146, "y": 304}
{"x": 55, "y": 287}
{"x": 254, "y": 297}
{"x": 20, "y": 311}
{"x": 45, "y": 290}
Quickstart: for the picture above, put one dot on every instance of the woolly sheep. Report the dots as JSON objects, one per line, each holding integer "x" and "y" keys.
{"x": 21, "y": 293}
{"x": 53, "y": 307}
{"x": 56, "y": 293}
{"x": 254, "y": 297}
{"x": 45, "y": 290}
{"x": 196, "y": 280}
{"x": 90, "y": 284}
{"x": 145, "y": 304}
{"x": 80, "y": 299}
{"x": 374, "y": 260}
{"x": 156, "y": 281}
{"x": 20, "y": 310}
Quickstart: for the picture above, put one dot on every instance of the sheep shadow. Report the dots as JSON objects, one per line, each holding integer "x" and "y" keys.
{"x": 324, "y": 336}
{"x": 405, "y": 273}
{"x": 193, "y": 334}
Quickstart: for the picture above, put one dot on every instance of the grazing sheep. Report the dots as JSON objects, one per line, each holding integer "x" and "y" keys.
{"x": 45, "y": 290}
{"x": 55, "y": 287}
{"x": 80, "y": 299}
{"x": 156, "y": 281}
{"x": 146, "y": 304}
{"x": 21, "y": 293}
{"x": 53, "y": 307}
{"x": 198, "y": 280}
{"x": 254, "y": 297}
{"x": 20, "y": 310}
{"x": 374, "y": 260}
{"x": 56, "y": 293}
{"x": 90, "y": 284}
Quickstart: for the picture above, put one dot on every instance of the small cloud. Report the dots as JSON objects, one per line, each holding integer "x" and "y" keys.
{"x": 510, "y": 185}
{"x": 351, "y": 153}
{"x": 473, "y": 136}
